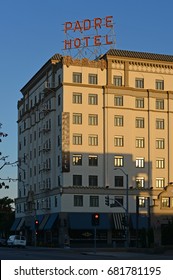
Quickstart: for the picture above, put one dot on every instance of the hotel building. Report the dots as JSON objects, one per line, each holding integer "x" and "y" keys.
{"x": 91, "y": 129}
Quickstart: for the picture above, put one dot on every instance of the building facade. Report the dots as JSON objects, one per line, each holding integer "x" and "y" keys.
{"x": 90, "y": 129}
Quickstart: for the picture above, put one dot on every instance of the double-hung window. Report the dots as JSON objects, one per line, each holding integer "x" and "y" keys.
{"x": 139, "y": 102}
{"x": 118, "y": 141}
{"x": 93, "y": 140}
{"x": 160, "y": 143}
{"x": 160, "y": 182}
{"x": 77, "y": 139}
{"x": 92, "y": 79}
{"x": 77, "y": 77}
{"x": 160, "y": 163}
{"x": 139, "y": 122}
{"x": 117, "y": 81}
{"x": 139, "y": 83}
{"x": 77, "y": 118}
{"x": 118, "y": 161}
{"x": 77, "y": 98}
{"x": 160, "y": 84}
{"x": 118, "y": 100}
{"x": 140, "y": 162}
{"x": 139, "y": 142}
{"x": 140, "y": 182}
{"x": 160, "y": 104}
{"x": 159, "y": 123}
{"x": 92, "y": 99}
{"x": 118, "y": 120}
{"x": 93, "y": 119}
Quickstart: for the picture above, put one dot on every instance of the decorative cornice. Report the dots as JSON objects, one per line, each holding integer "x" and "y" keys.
{"x": 68, "y": 61}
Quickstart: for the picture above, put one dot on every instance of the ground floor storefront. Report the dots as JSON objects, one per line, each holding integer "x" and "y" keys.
{"x": 77, "y": 229}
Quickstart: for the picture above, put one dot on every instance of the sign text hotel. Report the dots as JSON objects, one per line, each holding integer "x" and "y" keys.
{"x": 82, "y": 27}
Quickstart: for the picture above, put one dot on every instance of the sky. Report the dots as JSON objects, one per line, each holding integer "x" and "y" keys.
{"x": 31, "y": 32}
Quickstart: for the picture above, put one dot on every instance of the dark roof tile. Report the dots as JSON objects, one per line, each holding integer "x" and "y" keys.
{"x": 140, "y": 55}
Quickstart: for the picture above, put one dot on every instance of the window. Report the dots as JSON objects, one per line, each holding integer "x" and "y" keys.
{"x": 141, "y": 201}
{"x": 77, "y": 159}
{"x": 118, "y": 120}
{"x": 93, "y": 140}
{"x": 118, "y": 200}
{"x": 94, "y": 201}
{"x": 139, "y": 102}
{"x": 140, "y": 162}
{"x": 93, "y": 180}
{"x": 78, "y": 200}
{"x": 160, "y": 163}
{"x": 77, "y": 139}
{"x": 139, "y": 83}
{"x": 92, "y": 79}
{"x": 93, "y": 160}
{"x": 160, "y": 182}
{"x": 160, "y": 104}
{"x": 159, "y": 123}
{"x": 140, "y": 182}
{"x": 118, "y": 100}
{"x": 77, "y": 118}
{"x": 77, "y": 180}
{"x": 160, "y": 143}
{"x": 117, "y": 81}
{"x": 118, "y": 161}
{"x": 165, "y": 201}
{"x": 93, "y": 119}
{"x": 92, "y": 99}
{"x": 139, "y": 142}
{"x": 160, "y": 84}
{"x": 139, "y": 122}
{"x": 77, "y": 98}
{"x": 77, "y": 77}
{"x": 118, "y": 141}
{"x": 119, "y": 181}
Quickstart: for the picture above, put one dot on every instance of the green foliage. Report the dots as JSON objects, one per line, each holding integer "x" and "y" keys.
{"x": 6, "y": 216}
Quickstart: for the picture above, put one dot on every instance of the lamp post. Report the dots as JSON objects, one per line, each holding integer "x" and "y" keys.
{"x": 127, "y": 205}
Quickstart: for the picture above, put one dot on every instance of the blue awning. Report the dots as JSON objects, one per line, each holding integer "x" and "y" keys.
{"x": 139, "y": 221}
{"x": 83, "y": 221}
{"x": 15, "y": 224}
{"x": 51, "y": 221}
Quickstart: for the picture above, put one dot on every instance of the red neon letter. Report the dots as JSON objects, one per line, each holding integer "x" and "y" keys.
{"x": 67, "y": 44}
{"x": 97, "y": 22}
{"x": 88, "y": 25}
{"x": 107, "y": 42}
{"x": 97, "y": 40}
{"x": 77, "y": 26}
{"x": 86, "y": 40}
{"x": 67, "y": 26}
{"x": 109, "y": 22}
{"x": 77, "y": 42}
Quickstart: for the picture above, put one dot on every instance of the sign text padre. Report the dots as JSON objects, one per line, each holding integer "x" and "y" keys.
{"x": 82, "y": 27}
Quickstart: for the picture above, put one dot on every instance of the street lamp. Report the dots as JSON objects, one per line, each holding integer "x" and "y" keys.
{"x": 127, "y": 204}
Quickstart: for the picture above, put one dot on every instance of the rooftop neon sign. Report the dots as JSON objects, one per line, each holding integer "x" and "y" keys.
{"x": 82, "y": 27}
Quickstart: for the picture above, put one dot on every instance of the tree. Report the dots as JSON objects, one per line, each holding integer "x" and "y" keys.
{"x": 6, "y": 216}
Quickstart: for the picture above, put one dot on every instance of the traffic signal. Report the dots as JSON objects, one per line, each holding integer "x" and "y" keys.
{"x": 95, "y": 219}
{"x": 107, "y": 200}
{"x": 36, "y": 224}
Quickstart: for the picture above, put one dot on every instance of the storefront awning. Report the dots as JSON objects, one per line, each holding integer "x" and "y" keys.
{"x": 139, "y": 221}
{"x": 83, "y": 221}
{"x": 118, "y": 219}
{"x": 15, "y": 224}
{"x": 21, "y": 223}
{"x": 51, "y": 220}
{"x": 44, "y": 221}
